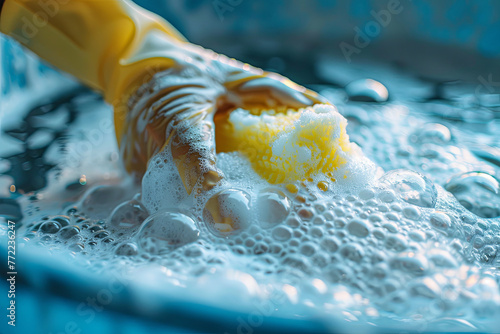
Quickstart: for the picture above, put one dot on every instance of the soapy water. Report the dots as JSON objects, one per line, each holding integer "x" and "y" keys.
{"x": 407, "y": 236}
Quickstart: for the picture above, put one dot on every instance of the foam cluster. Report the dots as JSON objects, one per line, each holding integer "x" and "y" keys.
{"x": 377, "y": 248}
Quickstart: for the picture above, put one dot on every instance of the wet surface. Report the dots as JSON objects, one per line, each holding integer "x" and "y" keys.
{"x": 44, "y": 126}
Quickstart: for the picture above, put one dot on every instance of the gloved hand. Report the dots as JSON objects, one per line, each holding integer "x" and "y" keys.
{"x": 165, "y": 91}
{"x": 177, "y": 107}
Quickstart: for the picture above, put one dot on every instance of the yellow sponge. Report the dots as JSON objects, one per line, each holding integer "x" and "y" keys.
{"x": 285, "y": 147}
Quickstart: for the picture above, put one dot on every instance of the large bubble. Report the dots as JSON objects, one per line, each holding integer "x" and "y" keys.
{"x": 166, "y": 231}
{"x": 411, "y": 187}
{"x": 273, "y": 207}
{"x": 129, "y": 214}
{"x": 478, "y": 192}
{"x": 228, "y": 211}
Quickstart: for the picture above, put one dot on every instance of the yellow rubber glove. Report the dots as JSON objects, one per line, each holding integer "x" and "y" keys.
{"x": 166, "y": 91}
{"x": 163, "y": 89}
{"x": 102, "y": 43}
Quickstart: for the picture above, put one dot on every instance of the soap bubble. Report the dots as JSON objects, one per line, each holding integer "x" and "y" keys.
{"x": 101, "y": 234}
{"x": 434, "y": 133}
{"x": 273, "y": 207}
{"x": 410, "y": 263}
{"x": 228, "y": 211}
{"x": 337, "y": 273}
{"x": 128, "y": 215}
{"x": 308, "y": 248}
{"x": 412, "y": 187}
{"x": 440, "y": 220}
{"x": 425, "y": 287}
{"x": 69, "y": 231}
{"x": 489, "y": 252}
{"x": 352, "y": 251}
{"x": 358, "y": 228}
{"x": 282, "y": 233}
{"x": 411, "y": 212}
{"x": 330, "y": 244}
{"x": 50, "y": 227}
{"x": 99, "y": 202}
{"x": 62, "y": 220}
{"x": 126, "y": 249}
{"x": 166, "y": 231}
{"x": 478, "y": 192}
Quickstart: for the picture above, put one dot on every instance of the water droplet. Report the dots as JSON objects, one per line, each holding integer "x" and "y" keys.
{"x": 367, "y": 90}
{"x": 478, "y": 192}
{"x": 411, "y": 187}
